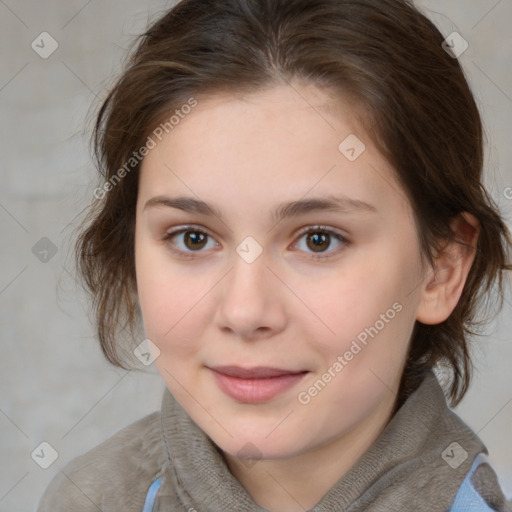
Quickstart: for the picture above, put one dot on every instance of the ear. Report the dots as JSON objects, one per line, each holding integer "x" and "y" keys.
{"x": 443, "y": 287}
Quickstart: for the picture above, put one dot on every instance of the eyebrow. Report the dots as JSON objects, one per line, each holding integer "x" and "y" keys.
{"x": 341, "y": 204}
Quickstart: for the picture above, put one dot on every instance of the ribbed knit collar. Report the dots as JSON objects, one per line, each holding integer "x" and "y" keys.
{"x": 409, "y": 466}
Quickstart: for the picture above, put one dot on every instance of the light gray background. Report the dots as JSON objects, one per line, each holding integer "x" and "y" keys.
{"x": 55, "y": 384}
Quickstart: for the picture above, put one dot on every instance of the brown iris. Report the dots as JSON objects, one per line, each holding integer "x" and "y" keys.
{"x": 314, "y": 241}
{"x": 197, "y": 239}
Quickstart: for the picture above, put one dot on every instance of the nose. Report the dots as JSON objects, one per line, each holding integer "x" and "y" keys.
{"x": 252, "y": 300}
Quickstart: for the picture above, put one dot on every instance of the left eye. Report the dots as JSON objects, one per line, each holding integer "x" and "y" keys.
{"x": 319, "y": 239}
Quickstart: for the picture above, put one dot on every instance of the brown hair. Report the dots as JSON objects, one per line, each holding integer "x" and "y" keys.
{"x": 384, "y": 55}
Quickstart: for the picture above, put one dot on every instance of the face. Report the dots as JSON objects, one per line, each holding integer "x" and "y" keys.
{"x": 313, "y": 305}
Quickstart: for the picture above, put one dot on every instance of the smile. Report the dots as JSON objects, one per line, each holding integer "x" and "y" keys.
{"x": 255, "y": 385}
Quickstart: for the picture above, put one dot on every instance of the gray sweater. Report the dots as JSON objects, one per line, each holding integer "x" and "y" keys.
{"x": 413, "y": 466}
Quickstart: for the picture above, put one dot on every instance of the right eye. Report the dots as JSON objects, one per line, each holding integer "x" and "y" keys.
{"x": 189, "y": 240}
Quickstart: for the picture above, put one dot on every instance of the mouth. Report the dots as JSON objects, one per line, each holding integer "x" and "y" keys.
{"x": 255, "y": 385}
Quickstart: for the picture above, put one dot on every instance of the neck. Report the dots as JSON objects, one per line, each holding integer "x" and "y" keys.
{"x": 299, "y": 482}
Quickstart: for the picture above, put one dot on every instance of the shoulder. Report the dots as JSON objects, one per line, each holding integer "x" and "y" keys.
{"x": 113, "y": 476}
{"x": 480, "y": 490}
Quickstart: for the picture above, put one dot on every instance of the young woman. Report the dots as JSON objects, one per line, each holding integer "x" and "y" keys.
{"x": 292, "y": 208}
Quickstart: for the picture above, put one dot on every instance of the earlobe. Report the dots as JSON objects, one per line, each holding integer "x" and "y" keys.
{"x": 444, "y": 284}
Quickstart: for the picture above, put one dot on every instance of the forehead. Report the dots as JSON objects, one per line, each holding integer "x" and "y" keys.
{"x": 283, "y": 141}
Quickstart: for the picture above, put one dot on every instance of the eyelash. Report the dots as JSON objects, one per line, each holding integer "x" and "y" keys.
{"x": 310, "y": 229}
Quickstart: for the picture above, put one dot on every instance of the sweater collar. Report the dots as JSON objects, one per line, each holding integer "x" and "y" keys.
{"x": 409, "y": 466}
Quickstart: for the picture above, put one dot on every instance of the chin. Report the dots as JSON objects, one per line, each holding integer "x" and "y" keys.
{"x": 253, "y": 448}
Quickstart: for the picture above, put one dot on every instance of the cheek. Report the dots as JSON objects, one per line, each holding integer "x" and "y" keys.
{"x": 168, "y": 298}
{"x": 346, "y": 303}
{"x": 369, "y": 315}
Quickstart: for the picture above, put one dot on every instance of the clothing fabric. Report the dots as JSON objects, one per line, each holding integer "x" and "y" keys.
{"x": 467, "y": 499}
{"x": 426, "y": 459}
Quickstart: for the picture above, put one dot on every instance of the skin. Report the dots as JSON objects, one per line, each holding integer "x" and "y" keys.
{"x": 246, "y": 155}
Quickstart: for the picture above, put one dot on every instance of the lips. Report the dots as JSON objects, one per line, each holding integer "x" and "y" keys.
{"x": 255, "y": 385}
{"x": 259, "y": 372}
